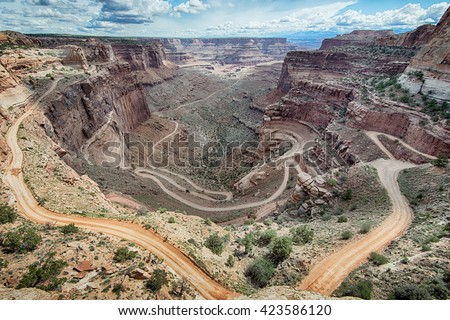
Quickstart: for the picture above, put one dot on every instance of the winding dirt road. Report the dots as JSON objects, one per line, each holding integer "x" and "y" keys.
{"x": 327, "y": 275}
{"x": 28, "y": 206}
{"x": 286, "y": 161}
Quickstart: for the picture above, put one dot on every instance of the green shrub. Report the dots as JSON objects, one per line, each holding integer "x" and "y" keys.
{"x": 7, "y": 214}
{"x": 248, "y": 242}
{"x": 437, "y": 288}
{"x": 361, "y": 289}
{"x": 208, "y": 222}
{"x": 332, "y": 182}
{"x": 365, "y": 228}
{"x": 69, "y": 229}
{"x": 22, "y": 240}
{"x": 266, "y": 237}
{"x": 410, "y": 292}
{"x": 215, "y": 243}
{"x": 302, "y": 235}
{"x": 44, "y": 277}
{"x": 157, "y": 280}
{"x": 342, "y": 219}
{"x": 280, "y": 250}
{"x": 260, "y": 272}
{"x": 347, "y": 195}
{"x": 171, "y": 220}
{"x": 162, "y": 210}
{"x": 3, "y": 263}
{"x": 441, "y": 161}
{"x": 378, "y": 259}
{"x": 230, "y": 261}
{"x": 123, "y": 254}
{"x": 346, "y": 235}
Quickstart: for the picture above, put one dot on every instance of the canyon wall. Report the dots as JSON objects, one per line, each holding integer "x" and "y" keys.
{"x": 110, "y": 103}
{"x": 242, "y": 51}
{"x": 322, "y": 86}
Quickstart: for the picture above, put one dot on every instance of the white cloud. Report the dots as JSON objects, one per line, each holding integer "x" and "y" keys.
{"x": 191, "y": 6}
{"x": 409, "y": 16}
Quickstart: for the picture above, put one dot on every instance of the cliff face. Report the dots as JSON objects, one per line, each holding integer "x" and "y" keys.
{"x": 339, "y": 64}
{"x": 357, "y": 38}
{"x": 243, "y": 51}
{"x": 397, "y": 122}
{"x": 106, "y": 106}
{"x": 84, "y": 106}
{"x": 433, "y": 61}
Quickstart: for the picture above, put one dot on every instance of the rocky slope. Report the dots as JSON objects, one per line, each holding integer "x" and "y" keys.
{"x": 429, "y": 71}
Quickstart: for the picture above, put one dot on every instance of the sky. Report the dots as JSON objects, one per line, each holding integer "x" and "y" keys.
{"x": 213, "y": 18}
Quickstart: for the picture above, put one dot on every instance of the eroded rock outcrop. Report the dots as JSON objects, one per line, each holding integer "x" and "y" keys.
{"x": 429, "y": 71}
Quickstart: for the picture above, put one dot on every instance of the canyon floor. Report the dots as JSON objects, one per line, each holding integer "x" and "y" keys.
{"x": 136, "y": 178}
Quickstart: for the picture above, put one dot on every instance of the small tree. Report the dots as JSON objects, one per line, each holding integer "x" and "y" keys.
{"x": 123, "y": 254}
{"x": 215, "y": 243}
{"x": 44, "y": 276}
{"x": 22, "y": 240}
{"x": 281, "y": 249}
{"x": 7, "y": 214}
{"x": 260, "y": 272}
{"x": 157, "y": 280}
{"x": 302, "y": 235}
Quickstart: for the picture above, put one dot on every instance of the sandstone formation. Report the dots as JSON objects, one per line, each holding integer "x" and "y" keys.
{"x": 429, "y": 71}
{"x": 106, "y": 106}
{"x": 314, "y": 91}
{"x": 74, "y": 55}
{"x": 357, "y": 38}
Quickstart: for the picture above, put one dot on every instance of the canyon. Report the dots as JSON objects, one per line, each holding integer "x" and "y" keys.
{"x": 204, "y": 155}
